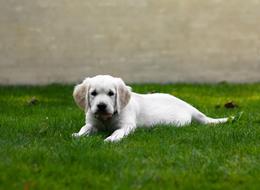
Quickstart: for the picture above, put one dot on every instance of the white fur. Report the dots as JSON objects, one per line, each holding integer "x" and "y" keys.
{"x": 127, "y": 110}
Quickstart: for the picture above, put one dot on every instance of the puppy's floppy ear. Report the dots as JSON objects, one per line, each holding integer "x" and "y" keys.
{"x": 123, "y": 95}
{"x": 80, "y": 94}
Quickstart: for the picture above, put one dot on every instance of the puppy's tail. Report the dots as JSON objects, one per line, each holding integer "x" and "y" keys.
{"x": 202, "y": 118}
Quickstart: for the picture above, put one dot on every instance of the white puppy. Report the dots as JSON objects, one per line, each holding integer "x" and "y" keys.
{"x": 110, "y": 105}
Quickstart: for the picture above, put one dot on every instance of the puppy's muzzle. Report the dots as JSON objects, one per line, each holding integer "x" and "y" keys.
{"x": 102, "y": 107}
{"x": 102, "y": 112}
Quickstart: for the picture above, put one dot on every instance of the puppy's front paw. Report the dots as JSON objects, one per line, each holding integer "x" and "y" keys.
{"x": 111, "y": 139}
{"x": 116, "y": 136}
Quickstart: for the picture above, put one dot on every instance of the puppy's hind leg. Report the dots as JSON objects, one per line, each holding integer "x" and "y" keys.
{"x": 202, "y": 118}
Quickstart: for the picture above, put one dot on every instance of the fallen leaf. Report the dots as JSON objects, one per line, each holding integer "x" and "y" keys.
{"x": 230, "y": 105}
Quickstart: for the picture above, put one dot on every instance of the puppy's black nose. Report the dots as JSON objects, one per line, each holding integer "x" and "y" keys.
{"x": 102, "y": 107}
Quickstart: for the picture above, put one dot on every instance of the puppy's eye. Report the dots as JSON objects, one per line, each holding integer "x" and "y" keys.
{"x": 111, "y": 93}
{"x": 94, "y": 93}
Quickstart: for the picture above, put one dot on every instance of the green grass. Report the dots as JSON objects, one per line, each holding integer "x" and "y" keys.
{"x": 37, "y": 151}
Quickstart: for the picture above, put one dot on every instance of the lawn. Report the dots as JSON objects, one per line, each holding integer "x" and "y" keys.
{"x": 37, "y": 151}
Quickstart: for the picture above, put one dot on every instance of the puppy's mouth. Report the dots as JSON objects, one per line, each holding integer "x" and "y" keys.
{"x": 103, "y": 115}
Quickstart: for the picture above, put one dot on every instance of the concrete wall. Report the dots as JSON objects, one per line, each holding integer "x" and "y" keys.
{"x": 43, "y": 41}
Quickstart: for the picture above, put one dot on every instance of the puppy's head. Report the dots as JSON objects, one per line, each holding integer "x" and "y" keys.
{"x": 103, "y": 95}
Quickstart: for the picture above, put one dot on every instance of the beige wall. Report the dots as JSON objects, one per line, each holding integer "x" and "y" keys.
{"x": 43, "y": 41}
